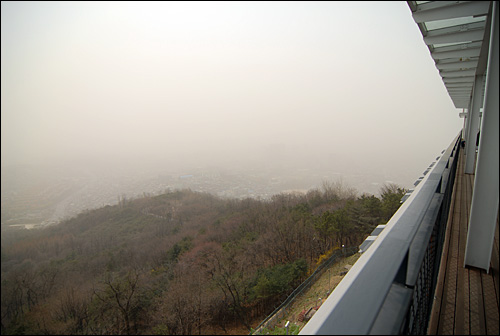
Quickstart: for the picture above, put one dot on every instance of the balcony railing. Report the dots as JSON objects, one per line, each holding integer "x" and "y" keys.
{"x": 390, "y": 288}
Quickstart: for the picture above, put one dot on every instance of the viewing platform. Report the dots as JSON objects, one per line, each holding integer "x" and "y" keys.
{"x": 467, "y": 299}
{"x": 434, "y": 268}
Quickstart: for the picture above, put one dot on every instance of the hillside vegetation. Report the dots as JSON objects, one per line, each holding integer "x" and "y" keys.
{"x": 177, "y": 263}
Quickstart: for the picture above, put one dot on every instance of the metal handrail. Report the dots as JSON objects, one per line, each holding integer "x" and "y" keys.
{"x": 389, "y": 288}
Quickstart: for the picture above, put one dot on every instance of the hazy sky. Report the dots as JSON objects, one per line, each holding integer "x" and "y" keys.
{"x": 214, "y": 82}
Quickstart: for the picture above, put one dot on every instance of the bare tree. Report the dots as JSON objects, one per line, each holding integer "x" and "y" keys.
{"x": 119, "y": 294}
{"x": 338, "y": 190}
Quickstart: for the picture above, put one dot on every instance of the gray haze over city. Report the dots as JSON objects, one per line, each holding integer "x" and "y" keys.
{"x": 102, "y": 100}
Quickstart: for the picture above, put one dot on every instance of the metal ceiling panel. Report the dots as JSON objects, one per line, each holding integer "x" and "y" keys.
{"x": 469, "y": 79}
{"x": 452, "y": 10}
{"x": 457, "y": 28}
{"x": 458, "y": 73}
{"x": 458, "y": 85}
{"x": 457, "y": 65}
{"x": 454, "y": 32}
{"x": 462, "y": 53}
{"x": 463, "y": 36}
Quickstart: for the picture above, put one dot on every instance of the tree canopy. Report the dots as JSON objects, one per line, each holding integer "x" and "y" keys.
{"x": 177, "y": 263}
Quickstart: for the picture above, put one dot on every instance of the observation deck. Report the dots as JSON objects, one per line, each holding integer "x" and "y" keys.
{"x": 434, "y": 268}
{"x": 466, "y": 298}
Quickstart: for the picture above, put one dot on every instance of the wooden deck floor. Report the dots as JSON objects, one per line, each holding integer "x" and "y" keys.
{"x": 467, "y": 299}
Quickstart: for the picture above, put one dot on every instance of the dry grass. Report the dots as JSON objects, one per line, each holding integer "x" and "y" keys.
{"x": 319, "y": 291}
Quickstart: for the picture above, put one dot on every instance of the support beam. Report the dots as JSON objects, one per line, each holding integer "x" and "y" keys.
{"x": 462, "y": 100}
{"x": 461, "y": 46}
{"x": 458, "y": 28}
{"x": 455, "y": 85}
{"x": 457, "y": 65}
{"x": 469, "y": 79}
{"x": 462, "y": 36}
{"x": 484, "y": 208}
{"x": 466, "y": 92}
{"x": 470, "y": 142}
{"x": 463, "y": 53}
{"x": 457, "y": 73}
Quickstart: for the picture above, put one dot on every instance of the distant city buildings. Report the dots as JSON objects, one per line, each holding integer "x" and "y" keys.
{"x": 47, "y": 203}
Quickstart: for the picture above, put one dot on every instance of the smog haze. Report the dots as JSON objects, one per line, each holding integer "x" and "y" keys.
{"x": 160, "y": 86}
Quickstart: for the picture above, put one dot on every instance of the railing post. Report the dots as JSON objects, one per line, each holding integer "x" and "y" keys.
{"x": 402, "y": 272}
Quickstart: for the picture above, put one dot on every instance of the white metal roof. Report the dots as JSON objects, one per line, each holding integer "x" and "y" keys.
{"x": 454, "y": 32}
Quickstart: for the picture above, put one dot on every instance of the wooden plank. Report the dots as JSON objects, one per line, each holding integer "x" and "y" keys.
{"x": 474, "y": 306}
{"x": 477, "y": 324}
{"x": 447, "y": 313}
{"x": 437, "y": 305}
{"x": 495, "y": 264}
{"x": 466, "y": 308}
{"x": 490, "y": 288}
{"x": 468, "y": 198}
{"x": 490, "y": 304}
{"x": 438, "y": 294}
{"x": 461, "y": 315}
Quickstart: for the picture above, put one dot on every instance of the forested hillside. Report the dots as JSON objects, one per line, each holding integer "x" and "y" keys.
{"x": 178, "y": 263}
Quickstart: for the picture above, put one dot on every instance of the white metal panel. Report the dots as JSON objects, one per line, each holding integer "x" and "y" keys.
{"x": 460, "y": 104}
{"x": 469, "y": 79}
{"x": 457, "y": 28}
{"x": 461, "y": 96}
{"x": 454, "y": 32}
{"x": 434, "y": 25}
{"x": 485, "y": 197}
{"x": 458, "y": 85}
{"x": 458, "y": 73}
{"x": 425, "y": 5}
{"x": 465, "y": 36}
{"x": 463, "y": 53}
{"x": 458, "y": 90}
{"x": 452, "y": 11}
{"x": 477, "y": 102}
{"x": 457, "y": 65}
{"x": 458, "y": 46}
